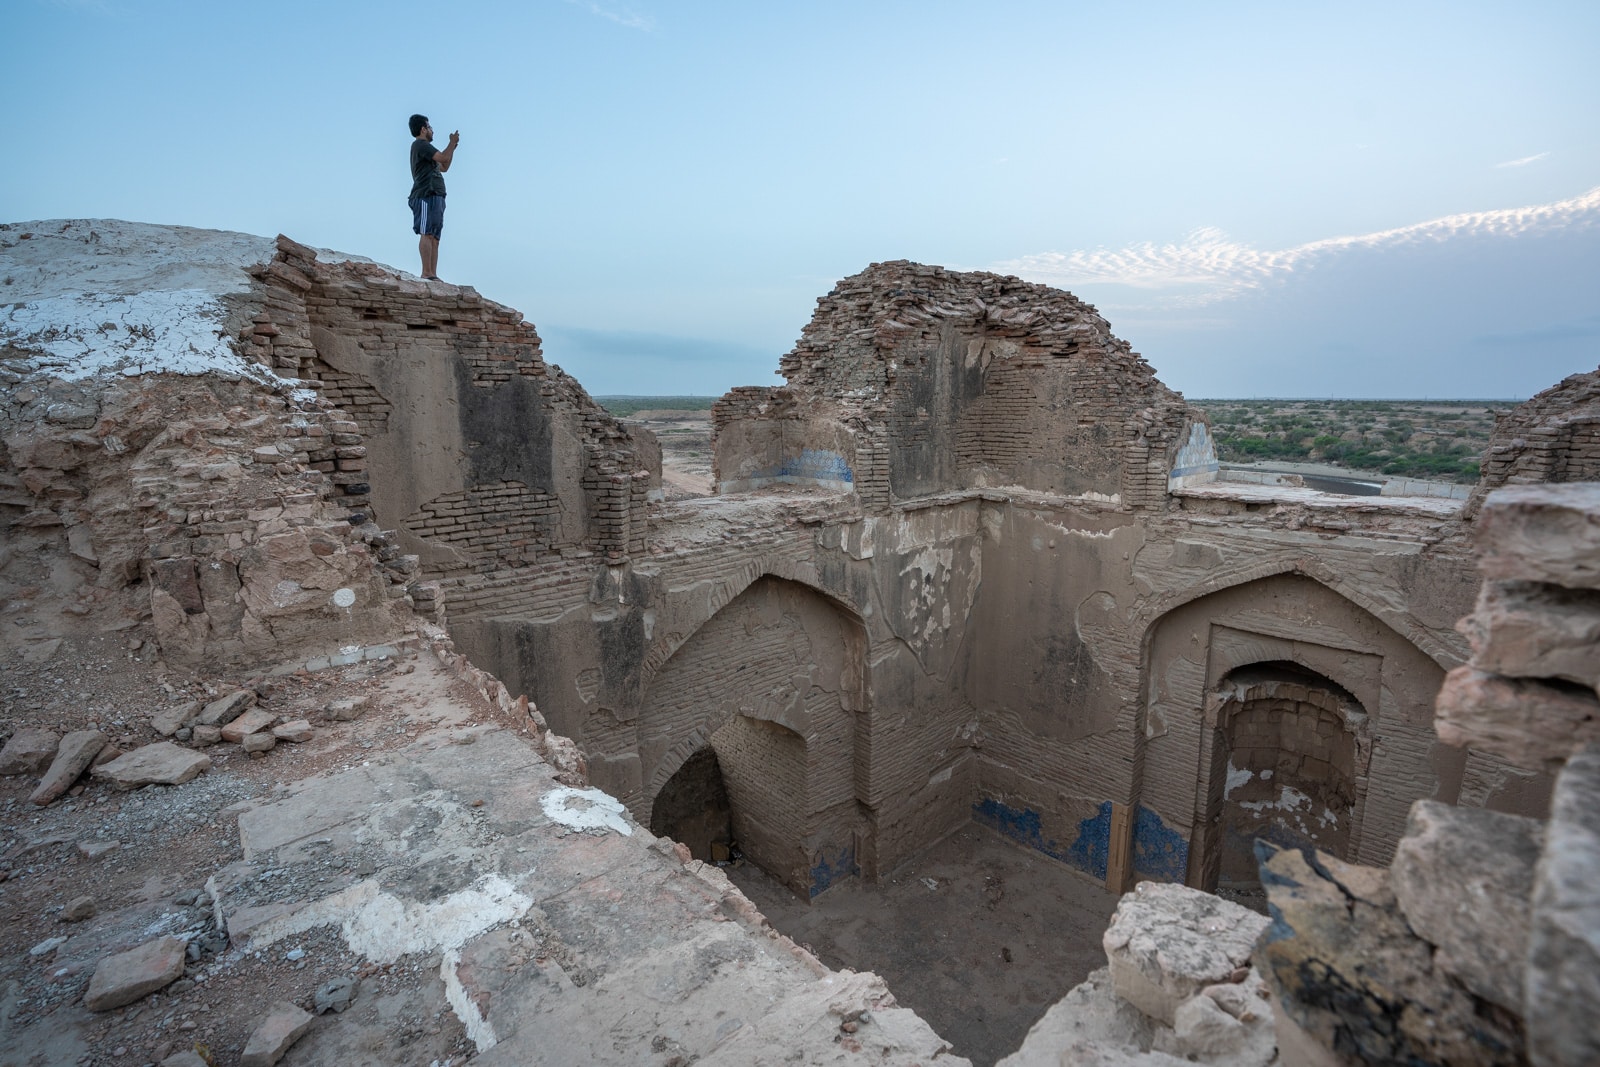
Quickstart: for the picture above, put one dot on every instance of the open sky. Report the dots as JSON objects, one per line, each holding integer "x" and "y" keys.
{"x": 1388, "y": 199}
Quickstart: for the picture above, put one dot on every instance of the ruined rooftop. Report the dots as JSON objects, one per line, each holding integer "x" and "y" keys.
{"x": 467, "y": 716}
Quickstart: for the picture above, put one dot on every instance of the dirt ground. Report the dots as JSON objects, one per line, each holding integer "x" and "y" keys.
{"x": 143, "y": 858}
{"x": 976, "y": 935}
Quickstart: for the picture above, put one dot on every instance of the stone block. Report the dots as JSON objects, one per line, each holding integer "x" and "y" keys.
{"x": 205, "y": 736}
{"x": 261, "y": 741}
{"x": 1090, "y": 1013}
{"x": 225, "y": 709}
{"x": 127, "y": 976}
{"x": 186, "y": 1058}
{"x": 281, "y": 1028}
{"x": 29, "y": 751}
{"x": 1532, "y": 724}
{"x": 348, "y": 708}
{"x": 1348, "y": 972}
{"x": 250, "y": 722}
{"x": 170, "y": 720}
{"x": 76, "y": 751}
{"x": 1536, "y": 631}
{"x": 1168, "y": 942}
{"x": 162, "y": 763}
{"x": 1542, "y": 533}
{"x": 296, "y": 731}
{"x": 1562, "y": 996}
{"x": 1203, "y": 1032}
{"x": 1464, "y": 879}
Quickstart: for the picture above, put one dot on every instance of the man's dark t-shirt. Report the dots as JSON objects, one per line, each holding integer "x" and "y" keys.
{"x": 425, "y": 177}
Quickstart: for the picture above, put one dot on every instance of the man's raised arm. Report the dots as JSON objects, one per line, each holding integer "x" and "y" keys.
{"x": 444, "y": 158}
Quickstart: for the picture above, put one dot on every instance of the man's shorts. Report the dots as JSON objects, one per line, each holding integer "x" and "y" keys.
{"x": 427, "y": 215}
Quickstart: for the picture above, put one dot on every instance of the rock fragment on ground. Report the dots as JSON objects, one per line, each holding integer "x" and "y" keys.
{"x": 162, "y": 763}
{"x": 348, "y": 709}
{"x": 205, "y": 736}
{"x": 1167, "y": 942}
{"x": 225, "y": 709}
{"x": 78, "y": 749}
{"x": 186, "y": 1058}
{"x": 334, "y": 995}
{"x": 127, "y": 976}
{"x": 170, "y": 720}
{"x": 295, "y": 731}
{"x": 248, "y": 723}
{"x": 281, "y": 1028}
{"x": 29, "y": 751}
{"x": 78, "y": 909}
{"x": 261, "y": 741}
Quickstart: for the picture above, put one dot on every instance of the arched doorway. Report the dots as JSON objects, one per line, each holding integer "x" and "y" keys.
{"x": 1348, "y": 677}
{"x": 1291, "y": 743}
{"x": 693, "y": 808}
{"x": 772, "y": 687}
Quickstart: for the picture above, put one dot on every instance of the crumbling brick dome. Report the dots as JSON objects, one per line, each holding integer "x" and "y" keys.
{"x": 913, "y": 379}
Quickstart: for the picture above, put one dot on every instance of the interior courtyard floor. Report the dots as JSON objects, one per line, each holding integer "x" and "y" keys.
{"x": 977, "y": 935}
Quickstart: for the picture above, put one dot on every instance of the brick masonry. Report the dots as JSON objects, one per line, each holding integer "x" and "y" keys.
{"x": 982, "y": 599}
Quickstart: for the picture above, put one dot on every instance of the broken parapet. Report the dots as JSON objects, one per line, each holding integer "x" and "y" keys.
{"x": 1553, "y": 437}
{"x": 1179, "y": 988}
{"x": 1351, "y": 979}
{"x": 1531, "y": 692}
{"x": 476, "y": 451}
{"x": 911, "y": 380}
{"x": 1481, "y": 943}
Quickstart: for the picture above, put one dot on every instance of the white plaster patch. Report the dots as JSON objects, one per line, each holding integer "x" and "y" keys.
{"x": 381, "y": 927}
{"x": 1237, "y": 777}
{"x": 81, "y": 335}
{"x": 585, "y": 809}
{"x": 344, "y": 598}
{"x": 479, "y": 1029}
{"x": 1289, "y": 799}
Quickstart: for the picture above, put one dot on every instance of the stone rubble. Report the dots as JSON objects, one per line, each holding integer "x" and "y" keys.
{"x": 76, "y": 752}
{"x": 163, "y": 763}
{"x": 282, "y": 1027}
{"x": 128, "y": 976}
{"x": 1168, "y": 942}
{"x": 1179, "y": 988}
{"x": 29, "y": 751}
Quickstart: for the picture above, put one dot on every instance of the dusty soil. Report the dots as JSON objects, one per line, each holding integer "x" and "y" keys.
{"x": 162, "y": 843}
{"x": 976, "y": 935}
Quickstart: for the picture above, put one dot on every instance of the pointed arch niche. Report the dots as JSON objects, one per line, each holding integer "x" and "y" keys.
{"x": 1283, "y": 675}
{"x": 764, "y": 698}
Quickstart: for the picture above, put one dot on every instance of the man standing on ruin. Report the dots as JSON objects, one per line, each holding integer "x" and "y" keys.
{"x": 427, "y": 192}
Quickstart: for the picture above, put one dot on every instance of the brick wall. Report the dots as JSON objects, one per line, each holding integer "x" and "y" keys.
{"x": 386, "y": 325}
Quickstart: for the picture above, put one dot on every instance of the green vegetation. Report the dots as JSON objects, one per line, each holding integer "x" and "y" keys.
{"x": 1438, "y": 440}
{"x": 626, "y": 406}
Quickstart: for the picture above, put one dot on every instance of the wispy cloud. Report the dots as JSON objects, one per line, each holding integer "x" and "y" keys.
{"x": 1523, "y": 162}
{"x": 631, "y": 19}
{"x": 1208, "y": 266}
